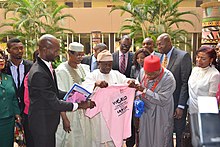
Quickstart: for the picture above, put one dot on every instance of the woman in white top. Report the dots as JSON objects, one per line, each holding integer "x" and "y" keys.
{"x": 204, "y": 78}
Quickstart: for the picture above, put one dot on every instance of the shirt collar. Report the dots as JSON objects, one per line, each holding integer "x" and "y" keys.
{"x": 12, "y": 64}
{"x": 47, "y": 63}
{"x": 169, "y": 53}
{"x": 120, "y": 54}
{"x": 93, "y": 59}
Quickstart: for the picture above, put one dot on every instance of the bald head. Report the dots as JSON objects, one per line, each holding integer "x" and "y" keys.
{"x": 46, "y": 41}
{"x": 164, "y": 36}
{"x": 48, "y": 47}
{"x": 164, "y": 43}
{"x": 148, "y": 45}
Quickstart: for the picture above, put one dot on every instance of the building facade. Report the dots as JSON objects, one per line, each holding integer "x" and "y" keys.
{"x": 94, "y": 16}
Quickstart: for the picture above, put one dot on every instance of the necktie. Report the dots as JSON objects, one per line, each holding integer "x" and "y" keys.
{"x": 18, "y": 77}
{"x": 122, "y": 65}
{"x": 51, "y": 70}
{"x": 165, "y": 60}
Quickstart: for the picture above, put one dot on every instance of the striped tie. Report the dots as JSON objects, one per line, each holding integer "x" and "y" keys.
{"x": 122, "y": 65}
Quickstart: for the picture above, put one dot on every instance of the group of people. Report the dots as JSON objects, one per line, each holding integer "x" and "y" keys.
{"x": 32, "y": 93}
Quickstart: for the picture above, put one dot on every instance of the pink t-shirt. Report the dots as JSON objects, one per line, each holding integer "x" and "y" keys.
{"x": 116, "y": 104}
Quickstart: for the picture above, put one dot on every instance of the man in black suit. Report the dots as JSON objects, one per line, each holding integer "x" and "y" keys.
{"x": 45, "y": 106}
{"x": 91, "y": 60}
{"x": 125, "y": 44}
{"x": 18, "y": 68}
{"x": 179, "y": 63}
{"x": 127, "y": 56}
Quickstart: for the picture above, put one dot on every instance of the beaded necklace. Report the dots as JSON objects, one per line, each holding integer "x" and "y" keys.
{"x": 145, "y": 80}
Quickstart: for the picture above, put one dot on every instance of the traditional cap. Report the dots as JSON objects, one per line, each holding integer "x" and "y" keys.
{"x": 151, "y": 63}
{"x": 75, "y": 46}
{"x": 104, "y": 55}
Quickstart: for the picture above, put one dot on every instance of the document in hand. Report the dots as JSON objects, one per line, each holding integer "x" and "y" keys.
{"x": 77, "y": 88}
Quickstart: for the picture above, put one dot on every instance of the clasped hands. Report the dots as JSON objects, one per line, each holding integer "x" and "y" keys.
{"x": 138, "y": 87}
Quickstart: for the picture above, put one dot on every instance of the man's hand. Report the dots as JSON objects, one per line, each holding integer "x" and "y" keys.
{"x": 101, "y": 84}
{"x": 178, "y": 113}
{"x": 131, "y": 84}
{"x": 66, "y": 125}
{"x": 86, "y": 104}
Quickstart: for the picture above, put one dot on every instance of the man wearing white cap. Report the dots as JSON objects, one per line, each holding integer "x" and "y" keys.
{"x": 101, "y": 78}
{"x": 74, "y": 130}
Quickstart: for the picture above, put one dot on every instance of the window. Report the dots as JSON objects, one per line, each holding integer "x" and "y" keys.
{"x": 87, "y": 4}
{"x": 69, "y": 4}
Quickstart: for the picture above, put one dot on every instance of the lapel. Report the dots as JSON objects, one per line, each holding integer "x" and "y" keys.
{"x": 8, "y": 65}
{"x": 129, "y": 60}
{"x": 117, "y": 59}
{"x": 47, "y": 70}
{"x": 26, "y": 67}
{"x": 172, "y": 59}
{"x": 90, "y": 62}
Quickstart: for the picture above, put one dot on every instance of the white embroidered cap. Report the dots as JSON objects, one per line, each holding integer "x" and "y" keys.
{"x": 75, "y": 46}
{"x": 105, "y": 55}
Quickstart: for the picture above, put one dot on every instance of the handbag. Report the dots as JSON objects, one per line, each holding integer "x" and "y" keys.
{"x": 19, "y": 134}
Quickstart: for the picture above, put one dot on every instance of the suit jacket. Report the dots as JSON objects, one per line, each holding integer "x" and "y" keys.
{"x": 88, "y": 61}
{"x": 115, "y": 65}
{"x": 8, "y": 101}
{"x": 20, "y": 90}
{"x": 181, "y": 66}
{"x": 45, "y": 106}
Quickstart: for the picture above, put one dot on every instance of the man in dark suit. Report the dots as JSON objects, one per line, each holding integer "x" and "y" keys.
{"x": 45, "y": 106}
{"x": 179, "y": 63}
{"x": 91, "y": 60}
{"x": 18, "y": 68}
{"x": 125, "y": 57}
{"x": 125, "y": 44}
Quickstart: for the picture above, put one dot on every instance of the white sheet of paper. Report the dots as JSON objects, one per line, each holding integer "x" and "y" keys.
{"x": 207, "y": 104}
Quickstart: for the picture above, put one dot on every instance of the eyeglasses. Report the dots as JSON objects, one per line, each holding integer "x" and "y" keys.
{"x": 126, "y": 46}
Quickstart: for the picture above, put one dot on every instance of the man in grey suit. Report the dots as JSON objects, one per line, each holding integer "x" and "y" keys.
{"x": 179, "y": 63}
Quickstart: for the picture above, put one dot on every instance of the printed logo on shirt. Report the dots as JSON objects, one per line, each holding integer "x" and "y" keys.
{"x": 120, "y": 105}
